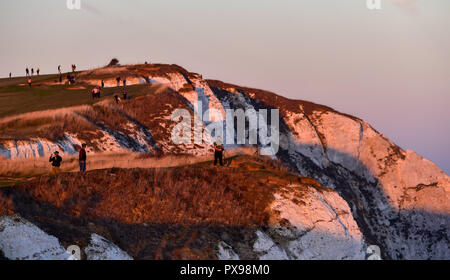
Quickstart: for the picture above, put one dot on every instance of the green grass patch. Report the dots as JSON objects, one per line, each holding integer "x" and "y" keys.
{"x": 16, "y": 99}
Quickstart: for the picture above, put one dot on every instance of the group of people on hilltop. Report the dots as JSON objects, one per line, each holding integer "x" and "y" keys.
{"x": 124, "y": 81}
{"x": 70, "y": 79}
{"x": 30, "y": 72}
{"x": 73, "y": 66}
{"x": 27, "y": 72}
{"x": 96, "y": 91}
{"x": 124, "y": 97}
{"x": 117, "y": 99}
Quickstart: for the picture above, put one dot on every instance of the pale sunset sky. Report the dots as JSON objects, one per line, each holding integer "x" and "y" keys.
{"x": 390, "y": 67}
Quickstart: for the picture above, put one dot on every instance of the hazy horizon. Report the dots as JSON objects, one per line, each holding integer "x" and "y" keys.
{"x": 389, "y": 67}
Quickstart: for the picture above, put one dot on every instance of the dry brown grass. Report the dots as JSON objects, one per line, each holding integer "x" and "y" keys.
{"x": 42, "y": 114}
{"x": 189, "y": 194}
{"x": 160, "y": 70}
{"x": 18, "y": 168}
{"x": 160, "y": 213}
{"x": 25, "y": 168}
{"x": 52, "y": 124}
{"x": 48, "y": 124}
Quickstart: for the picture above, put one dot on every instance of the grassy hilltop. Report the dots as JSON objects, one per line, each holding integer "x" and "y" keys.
{"x": 16, "y": 97}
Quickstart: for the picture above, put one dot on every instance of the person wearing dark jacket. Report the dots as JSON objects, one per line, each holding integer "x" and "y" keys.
{"x": 55, "y": 159}
{"x": 218, "y": 152}
{"x": 82, "y": 158}
{"x": 117, "y": 98}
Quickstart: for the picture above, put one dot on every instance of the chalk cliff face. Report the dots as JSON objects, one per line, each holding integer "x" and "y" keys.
{"x": 22, "y": 240}
{"x": 399, "y": 200}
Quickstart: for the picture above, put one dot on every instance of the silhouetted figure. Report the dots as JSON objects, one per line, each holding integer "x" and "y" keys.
{"x": 27, "y": 71}
{"x": 82, "y": 158}
{"x": 10, "y": 75}
{"x": 118, "y": 81}
{"x": 117, "y": 98}
{"x": 37, "y": 71}
{"x": 95, "y": 92}
{"x": 71, "y": 79}
{"x": 103, "y": 84}
{"x": 59, "y": 69}
{"x": 124, "y": 95}
{"x": 218, "y": 151}
{"x": 124, "y": 82}
{"x": 32, "y": 71}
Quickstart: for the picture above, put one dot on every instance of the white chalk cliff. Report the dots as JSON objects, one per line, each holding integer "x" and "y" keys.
{"x": 379, "y": 194}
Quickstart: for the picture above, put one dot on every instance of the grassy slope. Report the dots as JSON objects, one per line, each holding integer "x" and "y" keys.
{"x": 22, "y": 80}
{"x": 18, "y": 99}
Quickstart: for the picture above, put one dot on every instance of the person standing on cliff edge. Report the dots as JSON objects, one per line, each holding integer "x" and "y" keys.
{"x": 55, "y": 159}
{"x": 82, "y": 158}
{"x": 218, "y": 151}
